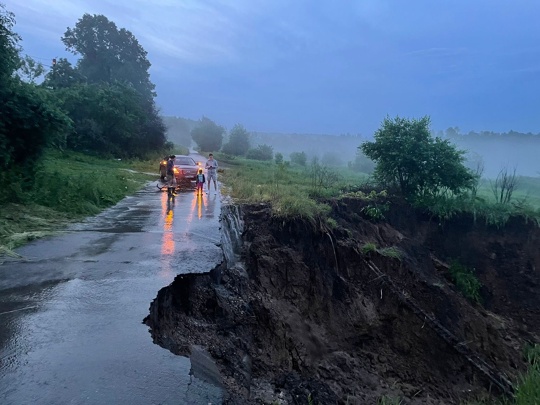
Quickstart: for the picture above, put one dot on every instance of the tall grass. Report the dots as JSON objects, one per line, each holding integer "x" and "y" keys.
{"x": 482, "y": 209}
{"x": 67, "y": 186}
{"x": 527, "y": 387}
{"x": 291, "y": 190}
{"x": 83, "y": 185}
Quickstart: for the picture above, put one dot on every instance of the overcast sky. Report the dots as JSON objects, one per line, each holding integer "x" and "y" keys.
{"x": 323, "y": 66}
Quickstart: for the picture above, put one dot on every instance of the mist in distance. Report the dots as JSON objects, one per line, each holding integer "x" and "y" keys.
{"x": 306, "y": 67}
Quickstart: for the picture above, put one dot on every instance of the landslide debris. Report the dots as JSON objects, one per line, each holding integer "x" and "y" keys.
{"x": 310, "y": 316}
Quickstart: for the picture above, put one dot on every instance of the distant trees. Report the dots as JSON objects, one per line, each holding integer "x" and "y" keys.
{"x": 208, "y": 135}
{"x": 409, "y": 158}
{"x": 179, "y": 130}
{"x": 331, "y": 158}
{"x": 261, "y": 152}
{"x": 239, "y": 141}
{"x": 299, "y": 158}
{"x": 361, "y": 163}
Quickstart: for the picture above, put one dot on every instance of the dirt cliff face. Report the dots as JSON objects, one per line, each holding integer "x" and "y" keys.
{"x": 309, "y": 316}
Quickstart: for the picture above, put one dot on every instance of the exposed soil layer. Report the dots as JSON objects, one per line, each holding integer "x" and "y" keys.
{"x": 309, "y": 317}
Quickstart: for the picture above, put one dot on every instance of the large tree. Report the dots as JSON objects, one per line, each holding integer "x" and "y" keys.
{"x": 408, "y": 157}
{"x": 208, "y": 135}
{"x": 114, "y": 110}
{"x": 109, "y": 54}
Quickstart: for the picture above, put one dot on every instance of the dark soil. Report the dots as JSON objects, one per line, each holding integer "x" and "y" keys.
{"x": 309, "y": 318}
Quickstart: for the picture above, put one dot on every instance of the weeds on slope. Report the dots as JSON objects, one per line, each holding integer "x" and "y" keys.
{"x": 466, "y": 281}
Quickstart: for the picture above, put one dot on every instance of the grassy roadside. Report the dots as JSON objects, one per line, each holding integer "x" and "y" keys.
{"x": 68, "y": 187}
{"x": 293, "y": 191}
{"x": 301, "y": 190}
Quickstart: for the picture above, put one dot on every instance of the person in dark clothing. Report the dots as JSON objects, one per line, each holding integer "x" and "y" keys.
{"x": 171, "y": 180}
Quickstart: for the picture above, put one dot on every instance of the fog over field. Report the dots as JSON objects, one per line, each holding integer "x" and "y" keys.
{"x": 500, "y": 151}
{"x": 495, "y": 151}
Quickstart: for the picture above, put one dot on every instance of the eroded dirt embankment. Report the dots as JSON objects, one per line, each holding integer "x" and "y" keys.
{"x": 309, "y": 316}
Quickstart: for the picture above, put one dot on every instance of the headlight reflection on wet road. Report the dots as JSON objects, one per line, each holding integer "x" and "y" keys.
{"x": 167, "y": 240}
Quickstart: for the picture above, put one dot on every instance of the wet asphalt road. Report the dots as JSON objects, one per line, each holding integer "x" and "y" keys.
{"x": 71, "y": 312}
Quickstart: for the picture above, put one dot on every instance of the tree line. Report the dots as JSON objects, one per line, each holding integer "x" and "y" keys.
{"x": 103, "y": 104}
{"x": 211, "y": 137}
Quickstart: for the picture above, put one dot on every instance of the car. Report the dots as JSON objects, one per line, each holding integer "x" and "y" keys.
{"x": 185, "y": 169}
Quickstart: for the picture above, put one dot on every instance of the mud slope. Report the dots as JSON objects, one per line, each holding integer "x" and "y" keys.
{"x": 311, "y": 318}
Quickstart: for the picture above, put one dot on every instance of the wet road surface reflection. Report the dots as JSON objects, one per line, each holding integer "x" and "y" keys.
{"x": 71, "y": 312}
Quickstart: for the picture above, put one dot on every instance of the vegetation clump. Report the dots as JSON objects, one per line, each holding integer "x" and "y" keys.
{"x": 368, "y": 247}
{"x": 466, "y": 281}
{"x": 261, "y": 152}
{"x": 392, "y": 252}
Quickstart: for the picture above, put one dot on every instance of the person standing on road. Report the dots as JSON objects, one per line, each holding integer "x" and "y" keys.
{"x": 211, "y": 172}
{"x": 171, "y": 180}
{"x": 200, "y": 180}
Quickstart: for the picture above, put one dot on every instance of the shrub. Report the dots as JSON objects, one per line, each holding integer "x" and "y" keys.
{"x": 261, "y": 152}
{"x": 238, "y": 143}
{"x": 408, "y": 157}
